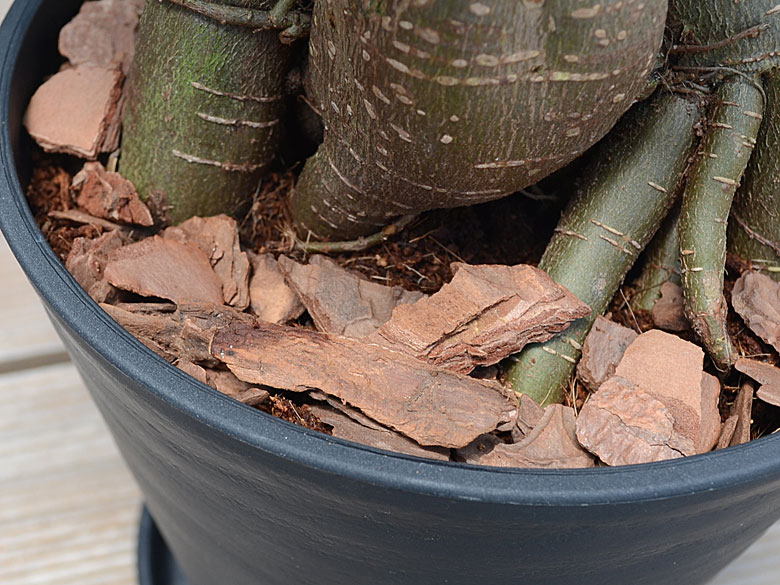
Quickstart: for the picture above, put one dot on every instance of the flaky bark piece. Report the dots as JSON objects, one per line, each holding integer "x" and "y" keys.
{"x": 101, "y": 34}
{"x": 624, "y": 425}
{"x": 270, "y": 297}
{"x": 87, "y": 261}
{"x": 670, "y": 370}
{"x": 109, "y": 195}
{"x": 77, "y": 111}
{"x": 756, "y": 298}
{"x": 486, "y": 313}
{"x": 218, "y": 237}
{"x": 602, "y": 351}
{"x": 157, "y": 267}
{"x": 340, "y": 301}
{"x": 347, "y": 428}
{"x": 430, "y": 405}
{"x": 765, "y": 374}
{"x": 552, "y": 444}
{"x": 183, "y": 335}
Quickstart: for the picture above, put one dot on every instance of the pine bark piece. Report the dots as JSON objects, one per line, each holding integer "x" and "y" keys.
{"x": 270, "y": 296}
{"x": 727, "y": 432}
{"x": 225, "y": 382}
{"x": 77, "y": 111}
{"x": 486, "y": 313}
{"x": 528, "y": 416}
{"x": 602, "y": 351}
{"x": 669, "y": 310}
{"x": 670, "y": 370}
{"x": 87, "y": 262}
{"x": 624, "y": 425}
{"x": 603, "y": 229}
{"x": 417, "y": 90}
{"x": 430, "y": 405}
{"x": 101, "y": 34}
{"x": 204, "y": 110}
{"x": 109, "y": 195}
{"x": 341, "y": 302}
{"x": 756, "y": 298}
{"x": 477, "y": 449}
{"x": 184, "y": 334}
{"x": 712, "y": 181}
{"x": 218, "y": 237}
{"x": 348, "y": 429}
{"x": 158, "y": 267}
{"x": 765, "y": 374}
{"x": 742, "y": 410}
{"x": 551, "y": 445}
{"x": 710, "y": 414}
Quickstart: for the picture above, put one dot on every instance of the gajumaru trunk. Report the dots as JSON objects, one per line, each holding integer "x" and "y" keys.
{"x": 202, "y": 120}
{"x": 442, "y": 104}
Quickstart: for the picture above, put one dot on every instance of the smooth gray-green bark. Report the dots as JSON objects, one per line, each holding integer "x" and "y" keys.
{"x": 442, "y": 104}
{"x": 743, "y": 35}
{"x": 202, "y": 119}
{"x": 754, "y": 227}
{"x": 662, "y": 264}
{"x": 630, "y": 186}
{"x": 712, "y": 182}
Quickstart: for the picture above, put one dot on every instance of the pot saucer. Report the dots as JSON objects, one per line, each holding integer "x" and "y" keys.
{"x": 156, "y": 565}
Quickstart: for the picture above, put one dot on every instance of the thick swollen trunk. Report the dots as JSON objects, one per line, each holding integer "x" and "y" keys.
{"x": 202, "y": 118}
{"x": 628, "y": 191}
{"x": 754, "y": 227}
{"x": 714, "y": 177}
{"x": 662, "y": 264}
{"x": 429, "y": 105}
{"x": 726, "y": 33}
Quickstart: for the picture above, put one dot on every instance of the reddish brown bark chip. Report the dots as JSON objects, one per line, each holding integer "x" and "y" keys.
{"x": 727, "y": 432}
{"x": 218, "y": 238}
{"x": 765, "y": 374}
{"x": 602, "y": 351}
{"x": 101, "y": 34}
{"x": 77, "y": 112}
{"x": 624, "y": 425}
{"x": 87, "y": 261}
{"x": 742, "y": 411}
{"x": 432, "y": 406}
{"x": 669, "y": 311}
{"x": 483, "y": 315}
{"x": 271, "y": 298}
{"x": 157, "y": 267}
{"x": 529, "y": 413}
{"x": 109, "y": 196}
{"x": 670, "y": 370}
{"x": 348, "y": 429}
{"x": 341, "y": 302}
{"x": 552, "y": 444}
{"x": 183, "y": 334}
{"x": 710, "y": 415}
{"x": 193, "y": 370}
{"x": 756, "y": 298}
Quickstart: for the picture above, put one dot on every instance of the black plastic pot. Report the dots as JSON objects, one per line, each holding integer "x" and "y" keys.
{"x": 244, "y": 498}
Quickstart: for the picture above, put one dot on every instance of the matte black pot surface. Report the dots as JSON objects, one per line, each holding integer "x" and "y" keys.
{"x": 244, "y": 498}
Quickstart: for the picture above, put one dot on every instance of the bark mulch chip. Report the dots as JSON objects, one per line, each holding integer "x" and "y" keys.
{"x": 602, "y": 351}
{"x": 110, "y": 196}
{"x": 77, "y": 111}
{"x": 756, "y": 298}
{"x": 765, "y": 374}
{"x": 486, "y": 313}
{"x": 270, "y": 297}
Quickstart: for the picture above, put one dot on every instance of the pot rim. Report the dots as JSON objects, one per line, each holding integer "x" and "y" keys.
{"x": 753, "y": 462}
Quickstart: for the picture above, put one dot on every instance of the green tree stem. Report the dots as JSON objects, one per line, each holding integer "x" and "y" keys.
{"x": 754, "y": 227}
{"x": 630, "y": 186}
{"x": 202, "y": 120}
{"x": 714, "y": 177}
{"x": 662, "y": 264}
